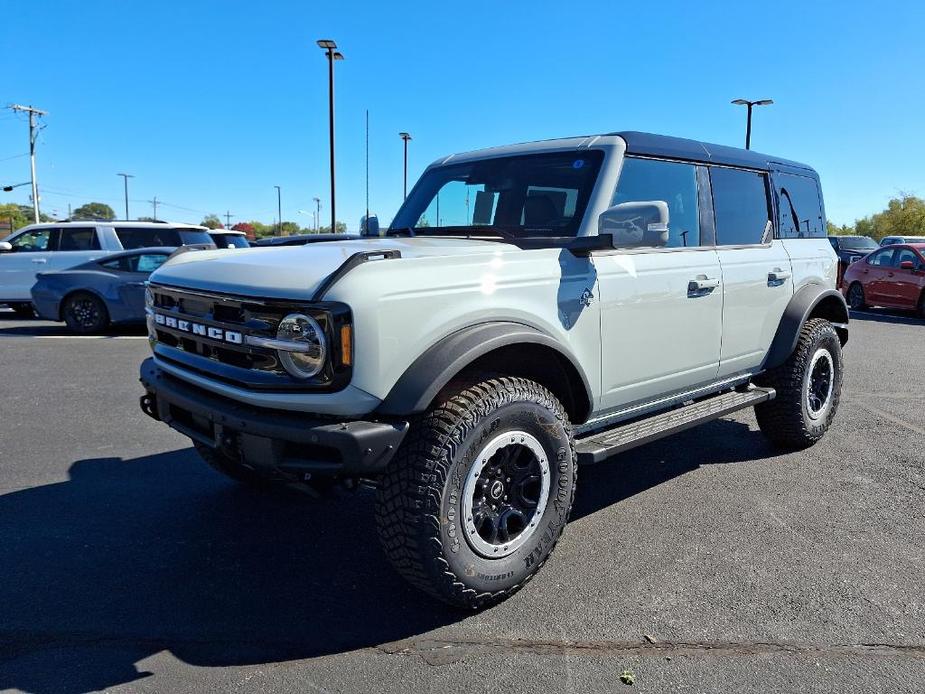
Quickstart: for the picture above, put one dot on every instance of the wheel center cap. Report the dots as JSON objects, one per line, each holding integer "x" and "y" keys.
{"x": 496, "y": 490}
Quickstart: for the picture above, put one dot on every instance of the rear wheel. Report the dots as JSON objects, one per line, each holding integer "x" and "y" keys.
{"x": 856, "y": 299}
{"x": 85, "y": 313}
{"x": 480, "y": 492}
{"x": 808, "y": 389}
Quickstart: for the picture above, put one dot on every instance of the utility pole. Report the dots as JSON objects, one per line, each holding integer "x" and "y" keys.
{"x": 69, "y": 211}
{"x": 125, "y": 177}
{"x": 367, "y": 169}
{"x": 154, "y": 202}
{"x": 33, "y": 135}
{"x": 227, "y": 219}
{"x": 317, "y": 213}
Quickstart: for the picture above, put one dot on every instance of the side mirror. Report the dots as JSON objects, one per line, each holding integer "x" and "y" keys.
{"x": 634, "y": 224}
{"x": 907, "y": 265}
{"x": 369, "y": 226}
{"x": 6, "y": 247}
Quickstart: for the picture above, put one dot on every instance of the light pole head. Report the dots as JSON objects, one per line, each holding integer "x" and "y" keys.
{"x": 746, "y": 102}
{"x": 126, "y": 175}
{"x": 326, "y": 44}
{"x": 404, "y": 136}
{"x": 740, "y": 102}
{"x": 764, "y": 102}
{"x": 338, "y": 55}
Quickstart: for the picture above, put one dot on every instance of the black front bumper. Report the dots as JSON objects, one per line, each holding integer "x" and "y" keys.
{"x": 292, "y": 444}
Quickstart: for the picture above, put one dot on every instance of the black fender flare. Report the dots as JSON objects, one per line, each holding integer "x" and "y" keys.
{"x": 803, "y": 304}
{"x": 432, "y": 370}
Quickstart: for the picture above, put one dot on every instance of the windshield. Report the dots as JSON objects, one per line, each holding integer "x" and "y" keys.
{"x": 523, "y": 196}
{"x": 859, "y": 243}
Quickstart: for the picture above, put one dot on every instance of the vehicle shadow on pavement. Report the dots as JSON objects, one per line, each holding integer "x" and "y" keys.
{"x": 129, "y": 558}
{"x": 720, "y": 442}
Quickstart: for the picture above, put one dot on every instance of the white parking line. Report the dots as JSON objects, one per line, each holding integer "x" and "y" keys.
{"x": 83, "y": 337}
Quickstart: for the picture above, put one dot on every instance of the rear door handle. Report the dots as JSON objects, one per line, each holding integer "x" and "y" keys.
{"x": 777, "y": 276}
{"x": 39, "y": 260}
{"x": 701, "y": 285}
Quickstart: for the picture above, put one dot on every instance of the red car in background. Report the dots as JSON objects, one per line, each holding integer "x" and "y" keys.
{"x": 893, "y": 276}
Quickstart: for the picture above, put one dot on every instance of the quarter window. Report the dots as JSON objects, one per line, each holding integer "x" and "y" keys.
{"x": 740, "y": 204}
{"x": 644, "y": 180}
{"x": 800, "y": 207}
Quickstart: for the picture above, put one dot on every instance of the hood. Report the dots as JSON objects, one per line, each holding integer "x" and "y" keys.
{"x": 295, "y": 272}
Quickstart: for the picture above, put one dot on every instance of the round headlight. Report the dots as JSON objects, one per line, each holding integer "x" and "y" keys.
{"x": 306, "y": 358}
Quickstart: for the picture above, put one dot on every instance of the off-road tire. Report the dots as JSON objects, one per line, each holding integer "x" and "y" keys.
{"x": 856, "y": 289}
{"x": 419, "y": 507}
{"x": 230, "y": 467}
{"x": 787, "y": 420}
{"x": 85, "y": 314}
{"x": 24, "y": 311}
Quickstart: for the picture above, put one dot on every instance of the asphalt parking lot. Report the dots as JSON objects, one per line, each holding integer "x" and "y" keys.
{"x": 703, "y": 563}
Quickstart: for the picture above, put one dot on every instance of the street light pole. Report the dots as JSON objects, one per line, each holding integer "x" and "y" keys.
{"x": 317, "y": 212}
{"x": 279, "y": 211}
{"x": 406, "y": 137}
{"x": 125, "y": 178}
{"x": 750, "y": 105}
{"x": 330, "y": 49}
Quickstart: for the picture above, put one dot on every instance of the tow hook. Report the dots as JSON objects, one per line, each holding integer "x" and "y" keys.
{"x": 149, "y": 406}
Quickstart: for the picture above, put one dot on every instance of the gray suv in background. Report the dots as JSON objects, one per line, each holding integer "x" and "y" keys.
{"x": 62, "y": 245}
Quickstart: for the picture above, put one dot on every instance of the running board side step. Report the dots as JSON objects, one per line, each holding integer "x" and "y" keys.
{"x": 593, "y": 448}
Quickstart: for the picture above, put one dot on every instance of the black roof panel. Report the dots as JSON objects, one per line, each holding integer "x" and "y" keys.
{"x": 680, "y": 148}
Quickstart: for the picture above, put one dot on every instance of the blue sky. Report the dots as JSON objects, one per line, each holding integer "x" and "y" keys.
{"x": 211, "y": 104}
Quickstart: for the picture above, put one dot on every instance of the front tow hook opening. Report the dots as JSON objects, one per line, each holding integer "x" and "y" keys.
{"x": 148, "y": 405}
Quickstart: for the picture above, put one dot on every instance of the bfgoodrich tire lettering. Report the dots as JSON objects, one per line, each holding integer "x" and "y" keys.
{"x": 808, "y": 389}
{"x": 420, "y": 504}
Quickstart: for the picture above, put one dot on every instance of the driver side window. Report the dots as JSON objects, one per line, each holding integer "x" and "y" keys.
{"x": 674, "y": 183}
{"x": 32, "y": 241}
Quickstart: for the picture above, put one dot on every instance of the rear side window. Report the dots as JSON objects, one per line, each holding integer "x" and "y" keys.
{"x": 800, "y": 206}
{"x": 191, "y": 237}
{"x": 644, "y": 180}
{"x": 229, "y": 241}
{"x": 78, "y": 239}
{"x": 143, "y": 237}
{"x": 146, "y": 237}
{"x": 140, "y": 262}
{"x": 740, "y": 204}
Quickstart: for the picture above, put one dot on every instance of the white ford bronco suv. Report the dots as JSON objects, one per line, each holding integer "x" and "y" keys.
{"x": 530, "y": 308}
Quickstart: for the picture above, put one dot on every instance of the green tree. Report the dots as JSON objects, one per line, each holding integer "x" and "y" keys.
{"x": 903, "y": 216}
{"x": 212, "y": 221}
{"x": 339, "y": 228}
{"x": 843, "y": 230}
{"x": 94, "y": 210}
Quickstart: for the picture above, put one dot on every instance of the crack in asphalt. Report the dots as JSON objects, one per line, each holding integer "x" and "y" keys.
{"x": 436, "y": 651}
{"x": 444, "y": 652}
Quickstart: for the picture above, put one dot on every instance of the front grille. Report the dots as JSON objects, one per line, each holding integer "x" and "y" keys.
{"x": 219, "y": 317}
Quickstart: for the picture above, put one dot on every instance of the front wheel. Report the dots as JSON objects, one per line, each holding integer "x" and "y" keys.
{"x": 480, "y": 492}
{"x": 85, "y": 314}
{"x": 808, "y": 389}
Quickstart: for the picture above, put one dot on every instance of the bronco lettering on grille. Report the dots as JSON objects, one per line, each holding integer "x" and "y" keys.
{"x": 231, "y": 336}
